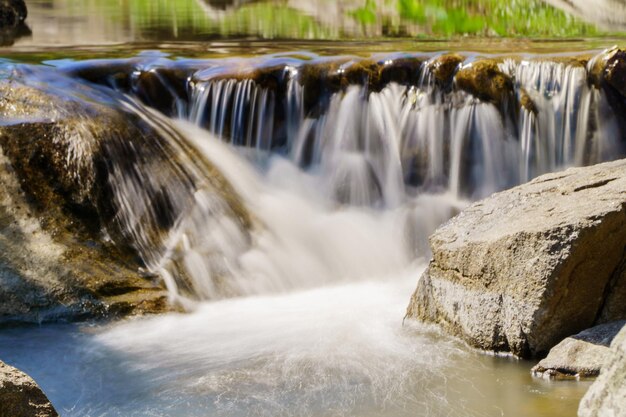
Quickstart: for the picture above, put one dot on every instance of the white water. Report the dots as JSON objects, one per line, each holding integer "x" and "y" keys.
{"x": 316, "y": 331}
{"x": 302, "y": 238}
{"x": 374, "y": 147}
{"x": 318, "y": 288}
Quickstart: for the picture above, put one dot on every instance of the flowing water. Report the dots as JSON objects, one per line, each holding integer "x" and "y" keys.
{"x": 319, "y": 332}
{"x": 300, "y": 312}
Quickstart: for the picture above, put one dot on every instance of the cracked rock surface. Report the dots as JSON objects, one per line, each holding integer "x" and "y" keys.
{"x": 525, "y": 268}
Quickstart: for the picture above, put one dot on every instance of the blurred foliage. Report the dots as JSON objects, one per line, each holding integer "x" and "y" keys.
{"x": 341, "y": 19}
{"x": 531, "y": 18}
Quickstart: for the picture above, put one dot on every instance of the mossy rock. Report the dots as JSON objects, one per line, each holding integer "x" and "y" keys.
{"x": 444, "y": 68}
{"x": 615, "y": 71}
{"x": 63, "y": 150}
{"x": 484, "y": 80}
{"x": 526, "y": 102}
{"x": 404, "y": 71}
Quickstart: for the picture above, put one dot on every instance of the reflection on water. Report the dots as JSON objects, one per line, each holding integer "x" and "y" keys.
{"x": 96, "y": 22}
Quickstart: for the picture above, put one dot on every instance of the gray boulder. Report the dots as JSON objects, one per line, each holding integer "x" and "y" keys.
{"x": 20, "y": 396}
{"x": 524, "y": 268}
{"x": 581, "y": 355}
{"x": 607, "y": 396}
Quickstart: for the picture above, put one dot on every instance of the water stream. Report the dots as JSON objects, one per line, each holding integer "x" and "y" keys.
{"x": 317, "y": 331}
{"x": 301, "y": 312}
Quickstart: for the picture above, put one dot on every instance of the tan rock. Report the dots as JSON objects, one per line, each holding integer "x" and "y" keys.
{"x": 581, "y": 355}
{"x": 607, "y": 396}
{"x": 524, "y": 268}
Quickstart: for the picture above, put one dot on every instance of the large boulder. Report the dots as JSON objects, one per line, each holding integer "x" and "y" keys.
{"x": 20, "y": 396}
{"x": 89, "y": 191}
{"x": 607, "y": 396}
{"x": 524, "y": 268}
{"x": 581, "y": 355}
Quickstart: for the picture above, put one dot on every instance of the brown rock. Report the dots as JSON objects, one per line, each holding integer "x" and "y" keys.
{"x": 20, "y": 396}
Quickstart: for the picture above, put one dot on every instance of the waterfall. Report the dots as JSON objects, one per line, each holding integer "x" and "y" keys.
{"x": 397, "y": 138}
{"x": 376, "y": 144}
{"x": 287, "y": 208}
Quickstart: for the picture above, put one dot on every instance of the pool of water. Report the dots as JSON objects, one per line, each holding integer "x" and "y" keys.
{"x": 334, "y": 351}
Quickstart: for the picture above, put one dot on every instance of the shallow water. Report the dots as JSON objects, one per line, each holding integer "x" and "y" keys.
{"x": 109, "y": 28}
{"x": 318, "y": 327}
{"x": 339, "y": 350}
{"x": 320, "y": 332}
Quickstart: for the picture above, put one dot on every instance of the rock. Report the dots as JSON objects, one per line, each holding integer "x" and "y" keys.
{"x": 608, "y": 14}
{"x": 607, "y": 396}
{"x": 581, "y": 355}
{"x": 484, "y": 80}
{"x": 89, "y": 190}
{"x": 444, "y": 68}
{"x": 524, "y": 268}
{"x": 12, "y": 13}
{"x": 20, "y": 396}
{"x": 615, "y": 70}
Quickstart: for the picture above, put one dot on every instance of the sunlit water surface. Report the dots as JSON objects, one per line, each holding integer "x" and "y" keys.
{"x": 332, "y": 345}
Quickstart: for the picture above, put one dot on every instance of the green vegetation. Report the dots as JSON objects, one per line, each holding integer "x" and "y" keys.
{"x": 344, "y": 19}
{"x": 530, "y": 18}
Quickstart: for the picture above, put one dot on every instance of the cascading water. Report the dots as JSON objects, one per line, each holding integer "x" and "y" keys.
{"x": 418, "y": 133}
{"x": 298, "y": 310}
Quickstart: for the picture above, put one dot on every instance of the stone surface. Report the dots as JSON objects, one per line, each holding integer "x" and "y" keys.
{"x": 20, "y": 396}
{"x": 581, "y": 355}
{"x": 88, "y": 191}
{"x": 524, "y": 268}
{"x": 607, "y": 396}
{"x": 484, "y": 79}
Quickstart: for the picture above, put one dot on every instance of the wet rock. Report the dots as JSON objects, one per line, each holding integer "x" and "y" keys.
{"x": 445, "y": 67}
{"x": 615, "y": 71}
{"x": 581, "y": 355}
{"x": 74, "y": 245}
{"x": 524, "y": 268}
{"x": 607, "y": 396}
{"x": 20, "y": 396}
{"x": 526, "y": 102}
{"x": 484, "y": 80}
{"x": 403, "y": 70}
{"x": 319, "y": 80}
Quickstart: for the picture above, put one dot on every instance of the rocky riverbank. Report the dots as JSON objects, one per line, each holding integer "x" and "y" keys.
{"x": 90, "y": 189}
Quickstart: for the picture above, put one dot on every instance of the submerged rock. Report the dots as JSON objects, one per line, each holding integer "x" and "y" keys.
{"x": 581, "y": 355}
{"x": 523, "y": 269}
{"x": 607, "y": 396}
{"x": 20, "y": 396}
